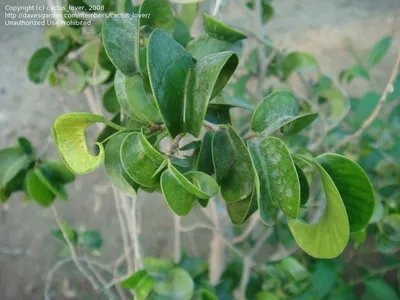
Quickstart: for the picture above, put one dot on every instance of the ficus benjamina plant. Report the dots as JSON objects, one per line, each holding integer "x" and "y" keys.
{"x": 175, "y": 129}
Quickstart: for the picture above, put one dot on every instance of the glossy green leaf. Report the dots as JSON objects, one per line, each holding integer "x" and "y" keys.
{"x": 268, "y": 212}
{"x": 14, "y": 185}
{"x": 377, "y": 288}
{"x": 40, "y": 65}
{"x": 160, "y": 15}
{"x": 69, "y": 135}
{"x": 58, "y": 171}
{"x": 205, "y": 45}
{"x": 156, "y": 267}
{"x": 298, "y": 62}
{"x": 277, "y": 110}
{"x": 140, "y": 159}
{"x": 138, "y": 100}
{"x": 60, "y": 45}
{"x": 46, "y": 177}
{"x": 181, "y": 33}
{"x": 90, "y": 239}
{"x": 121, "y": 42}
{"x": 110, "y": 100}
{"x": 38, "y": 191}
{"x": 74, "y": 80}
{"x": 228, "y": 101}
{"x": 71, "y": 233}
{"x": 114, "y": 168}
{"x": 12, "y": 161}
{"x": 120, "y": 91}
{"x": 25, "y": 145}
{"x": 354, "y": 187}
{"x": 329, "y": 236}
{"x": 168, "y": 65}
{"x": 233, "y": 165}
{"x": 141, "y": 283}
{"x": 296, "y": 270}
{"x": 218, "y": 114}
{"x": 220, "y": 31}
{"x": 241, "y": 210}
{"x": 282, "y": 182}
{"x": 177, "y": 285}
{"x": 207, "y": 78}
{"x": 304, "y": 186}
{"x": 181, "y": 191}
{"x": 323, "y": 278}
{"x": 204, "y": 160}
{"x": 379, "y": 50}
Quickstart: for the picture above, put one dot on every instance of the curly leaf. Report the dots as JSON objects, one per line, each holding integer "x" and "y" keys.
{"x": 233, "y": 165}
{"x": 220, "y": 31}
{"x": 205, "y": 80}
{"x": 140, "y": 159}
{"x": 114, "y": 168}
{"x": 328, "y": 237}
{"x": 69, "y": 135}
{"x": 354, "y": 187}
{"x": 168, "y": 65}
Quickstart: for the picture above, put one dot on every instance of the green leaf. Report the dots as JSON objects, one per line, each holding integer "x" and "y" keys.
{"x": 112, "y": 162}
{"x": 328, "y": 237}
{"x": 218, "y": 114}
{"x": 379, "y": 51}
{"x": 14, "y": 185}
{"x": 204, "y": 160}
{"x": 241, "y": 210}
{"x": 74, "y": 79}
{"x": 159, "y": 15}
{"x": 377, "y": 288}
{"x": 121, "y": 42}
{"x": 58, "y": 171}
{"x": 354, "y": 187}
{"x": 298, "y": 62}
{"x": 279, "y": 177}
{"x": 97, "y": 76}
{"x": 168, "y": 65}
{"x": 90, "y": 239}
{"x": 69, "y": 135}
{"x": 60, "y": 45}
{"x": 267, "y": 211}
{"x": 56, "y": 187}
{"x": 181, "y": 33}
{"x": 233, "y": 165}
{"x": 339, "y": 105}
{"x": 12, "y": 161}
{"x": 37, "y": 190}
{"x": 205, "y": 45}
{"x": 177, "y": 285}
{"x": 156, "y": 267}
{"x": 71, "y": 233}
{"x": 355, "y": 71}
{"x": 304, "y": 187}
{"x": 141, "y": 283}
{"x": 140, "y": 159}
{"x": 220, "y": 31}
{"x": 205, "y": 80}
{"x": 296, "y": 270}
{"x": 188, "y": 12}
{"x": 40, "y": 65}
{"x": 25, "y": 145}
{"x": 138, "y": 101}
{"x": 181, "y": 191}
{"x": 110, "y": 100}
{"x": 228, "y": 101}
{"x": 323, "y": 278}
{"x": 277, "y": 110}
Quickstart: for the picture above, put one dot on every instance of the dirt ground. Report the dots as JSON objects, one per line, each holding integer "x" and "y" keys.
{"x": 27, "y": 252}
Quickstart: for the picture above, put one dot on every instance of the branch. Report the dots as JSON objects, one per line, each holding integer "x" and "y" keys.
{"x": 174, "y": 145}
{"x": 388, "y": 89}
{"x": 217, "y": 7}
{"x": 74, "y": 256}
{"x": 211, "y": 126}
{"x": 177, "y": 238}
{"x": 249, "y": 229}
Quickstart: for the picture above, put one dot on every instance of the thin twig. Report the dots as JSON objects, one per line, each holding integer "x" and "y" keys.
{"x": 177, "y": 238}
{"x": 124, "y": 232}
{"x": 211, "y": 126}
{"x": 138, "y": 258}
{"x": 74, "y": 256}
{"x": 174, "y": 145}
{"x": 249, "y": 229}
{"x": 217, "y": 7}
{"x": 388, "y": 89}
